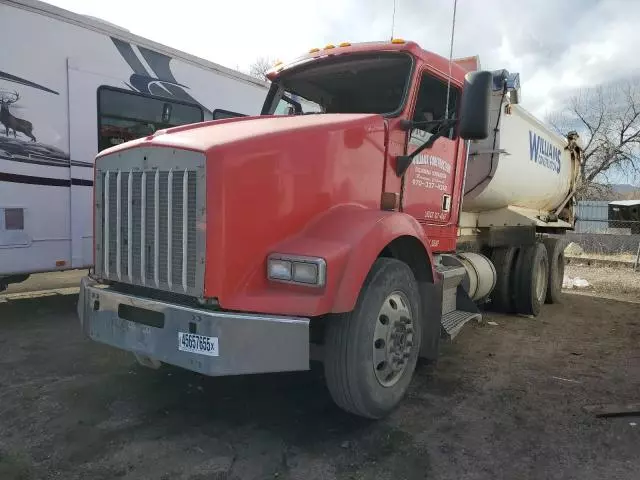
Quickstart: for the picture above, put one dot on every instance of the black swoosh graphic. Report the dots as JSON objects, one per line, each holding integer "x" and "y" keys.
{"x": 159, "y": 63}
{"x": 130, "y": 57}
{"x": 24, "y": 81}
{"x": 165, "y": 83}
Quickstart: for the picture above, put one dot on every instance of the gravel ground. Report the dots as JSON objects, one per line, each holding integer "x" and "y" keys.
{"x": 504, "y": 402}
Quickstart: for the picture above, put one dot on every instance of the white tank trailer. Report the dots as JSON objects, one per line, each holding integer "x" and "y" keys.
{"x": 518, "y": 201}
{"x": 524, "y": 173}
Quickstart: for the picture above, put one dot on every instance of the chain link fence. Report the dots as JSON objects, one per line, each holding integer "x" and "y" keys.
{"x": 609, "y": 229}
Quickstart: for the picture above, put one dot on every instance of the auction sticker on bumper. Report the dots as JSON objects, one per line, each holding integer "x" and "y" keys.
{"x": 192, "y": 343}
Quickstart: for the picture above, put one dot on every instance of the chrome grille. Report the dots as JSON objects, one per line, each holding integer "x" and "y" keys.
{"x": 147, "y": 233}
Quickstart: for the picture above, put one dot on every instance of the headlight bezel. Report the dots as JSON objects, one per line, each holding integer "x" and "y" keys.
{"x": 302, "y": 261}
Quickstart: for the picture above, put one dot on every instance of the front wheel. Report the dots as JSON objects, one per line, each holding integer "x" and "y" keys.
{"x": 371, "y": 353}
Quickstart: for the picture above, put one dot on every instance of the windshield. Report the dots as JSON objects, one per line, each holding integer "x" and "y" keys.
{"x": 357, "y": 83}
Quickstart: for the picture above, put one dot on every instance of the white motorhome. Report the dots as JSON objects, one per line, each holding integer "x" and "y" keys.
{"x": 88, "y": 85}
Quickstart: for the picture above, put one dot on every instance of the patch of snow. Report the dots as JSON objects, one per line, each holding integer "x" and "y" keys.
{"x": 574, "y": 249}
{"x": 577, "y": 282}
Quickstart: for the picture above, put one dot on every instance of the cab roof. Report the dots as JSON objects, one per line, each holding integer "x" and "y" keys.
{"x": 458, "y": 68}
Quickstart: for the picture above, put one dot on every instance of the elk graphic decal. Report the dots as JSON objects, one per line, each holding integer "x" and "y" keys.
{"x": 10, "y": 121}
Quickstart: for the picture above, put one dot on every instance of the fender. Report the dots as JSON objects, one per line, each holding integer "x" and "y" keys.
{"x": 349, "y": 238}
{"x": 374, "y": 231}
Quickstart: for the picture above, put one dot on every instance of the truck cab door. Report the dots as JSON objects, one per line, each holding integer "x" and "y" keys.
{"x": 430, "y": 181}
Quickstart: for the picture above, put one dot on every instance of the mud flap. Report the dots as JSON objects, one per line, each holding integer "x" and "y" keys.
{"x": 431, "y": 316}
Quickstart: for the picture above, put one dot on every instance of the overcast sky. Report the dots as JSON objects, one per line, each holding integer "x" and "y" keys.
{"x": 555, "y": 45}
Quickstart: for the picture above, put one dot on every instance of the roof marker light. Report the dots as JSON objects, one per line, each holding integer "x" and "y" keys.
{"x": 345, "y": 44}
{"x": 314, "y": 50}
{"x": 397, "y": 41}
{"x": 329, "y": 47}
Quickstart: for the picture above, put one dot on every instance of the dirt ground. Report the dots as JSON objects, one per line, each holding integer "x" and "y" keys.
{"x": 48, "y": 281}
{"x": 504, "y": 402}
{"x": 607, "y": 281}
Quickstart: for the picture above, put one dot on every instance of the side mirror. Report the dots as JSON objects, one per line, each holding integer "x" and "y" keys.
{"x": 476, "y": 98}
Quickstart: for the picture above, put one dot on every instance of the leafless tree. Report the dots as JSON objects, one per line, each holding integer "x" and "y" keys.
{"x": 607, "y": 118}
{"x": 260, "y": 67}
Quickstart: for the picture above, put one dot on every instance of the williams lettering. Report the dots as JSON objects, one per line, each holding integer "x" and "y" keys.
{"x": 544, "y": 152}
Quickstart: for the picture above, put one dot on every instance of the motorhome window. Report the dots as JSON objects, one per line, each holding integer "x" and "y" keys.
{"x": 124, "y": 116}
{"x": 358, "y": 83}
{"x": 431, "y": 103}
{"x": 218, "y": 114}
{"x": 286, "y": 106}
{"x": 14, "y": 219}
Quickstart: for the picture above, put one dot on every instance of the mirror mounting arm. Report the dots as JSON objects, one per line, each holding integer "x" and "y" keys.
{"x": 404, "y": 161}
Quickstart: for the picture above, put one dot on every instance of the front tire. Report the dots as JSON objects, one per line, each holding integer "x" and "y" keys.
{"x": 371, "y": 353}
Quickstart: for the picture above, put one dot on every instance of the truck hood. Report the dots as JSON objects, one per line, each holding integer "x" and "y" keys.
{"x": 265, "y": 181}
{"x": 205, "y": 136}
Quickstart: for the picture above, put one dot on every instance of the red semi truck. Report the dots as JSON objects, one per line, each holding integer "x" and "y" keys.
{"x": 398, "y": 193}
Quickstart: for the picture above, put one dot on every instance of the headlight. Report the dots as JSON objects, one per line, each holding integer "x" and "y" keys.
{"x": 310, "y": 271}
{"x": 280, "y": 269}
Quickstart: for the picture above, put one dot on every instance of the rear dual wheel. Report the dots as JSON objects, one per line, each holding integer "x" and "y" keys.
{"x": 504, "y": 260}
{"x": 371, "y": 353}
{"x": 528, "y": 276}
{"x": 531, "y": 279}
{"x": 555, "y": 251}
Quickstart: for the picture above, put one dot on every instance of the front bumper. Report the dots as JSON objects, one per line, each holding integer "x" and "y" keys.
{"x": 247, "y": 343}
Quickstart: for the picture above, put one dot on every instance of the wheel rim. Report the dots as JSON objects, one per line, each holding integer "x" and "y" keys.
{"x": 541, "y": 278}
{"x": 393, "y": 339}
